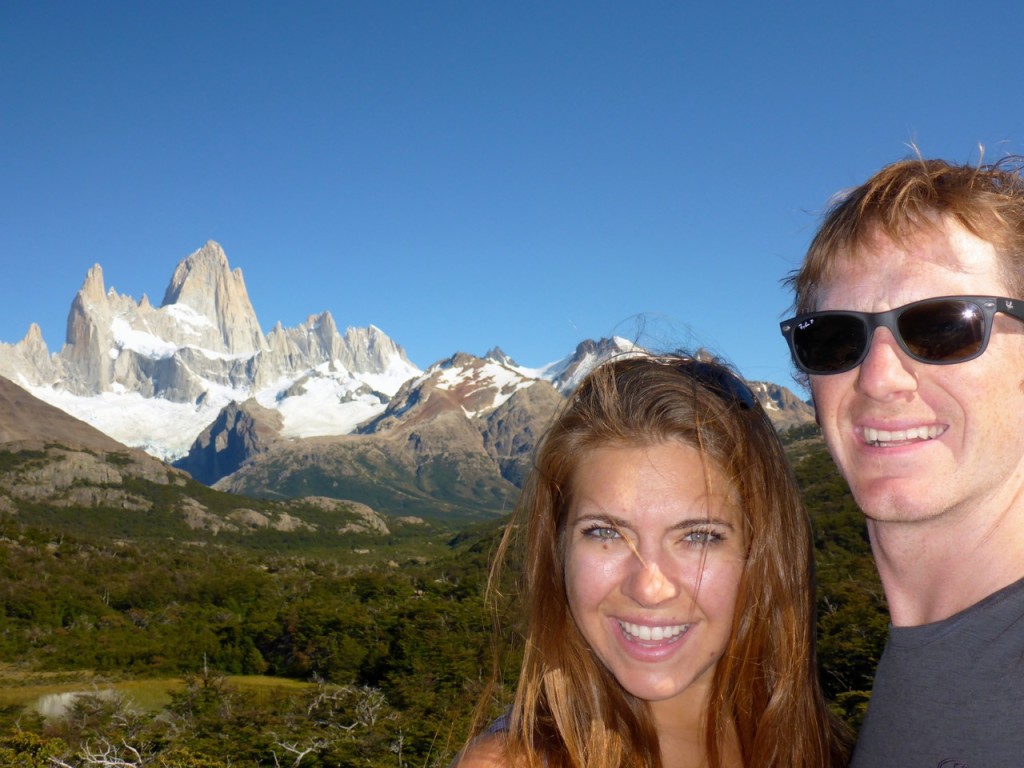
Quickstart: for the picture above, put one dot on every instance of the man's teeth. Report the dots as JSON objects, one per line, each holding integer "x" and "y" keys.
{"x": 885, "y": 436}
{"x": 644, "y": 632}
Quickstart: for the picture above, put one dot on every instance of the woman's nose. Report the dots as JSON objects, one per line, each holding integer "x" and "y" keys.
{"x": 649, "y": 585}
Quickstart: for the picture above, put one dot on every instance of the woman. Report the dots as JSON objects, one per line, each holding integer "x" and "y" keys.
{"x": 668, "y": 585}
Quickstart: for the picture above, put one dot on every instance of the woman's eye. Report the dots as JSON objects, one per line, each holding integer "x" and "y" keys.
{"x": 601, "y": 532}
{"x": 702, "y": 538}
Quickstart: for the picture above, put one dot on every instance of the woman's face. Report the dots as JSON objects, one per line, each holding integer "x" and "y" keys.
{"x": 654, "y": 554}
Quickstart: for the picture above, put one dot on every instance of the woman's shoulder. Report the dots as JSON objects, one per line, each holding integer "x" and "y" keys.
{"x": 485, "y": 751}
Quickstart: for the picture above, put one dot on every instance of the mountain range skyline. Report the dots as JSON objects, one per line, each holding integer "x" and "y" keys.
{"x": 96, "y": 278}
{"x": 155, "y": 377}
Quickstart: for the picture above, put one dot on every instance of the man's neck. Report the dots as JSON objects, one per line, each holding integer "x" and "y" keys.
{"x": 933, "y": 569}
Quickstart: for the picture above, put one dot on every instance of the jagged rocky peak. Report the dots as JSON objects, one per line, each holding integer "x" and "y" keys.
{"x": 568, "y": 373}
{"x": 205, "y": 283}
{"x": 28, "y": 360}
{"x": 604, "y": 347}
{"x": 370, "y": 349}
{"x": 90, "y": 300}
{"x": 93, "y": 308}
{"x": 33, "y": 350}
{"x": 34, "y": 338}
{"x": 93, "y": 289}
{"x": 461, "y": 360}
{"x": 197, "y": 276}
{"x": 497, "y": 355}
{"x": 323, "y": 324}
{"x": 316, "y": 339}
{"x": 362, "y": 351}
{"x": 114, "y": 342}
{"x": 87, "y": 340}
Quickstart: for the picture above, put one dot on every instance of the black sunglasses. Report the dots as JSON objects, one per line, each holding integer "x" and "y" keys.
{"x": 940, "y": 331}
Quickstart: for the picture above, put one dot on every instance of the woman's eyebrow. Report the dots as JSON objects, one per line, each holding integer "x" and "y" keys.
{"x": 599, "y": 517}
{"x": 617, "y": 522}
{"x": 689, "y": 523}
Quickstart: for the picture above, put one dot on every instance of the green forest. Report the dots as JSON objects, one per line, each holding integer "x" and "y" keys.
{"x": 374, "y": 653}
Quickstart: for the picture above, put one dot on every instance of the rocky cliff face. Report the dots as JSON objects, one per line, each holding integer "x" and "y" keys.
{"x": 240, "y": 431}
{"x": 783, "y": 407}
{"x": 511, "y": 430}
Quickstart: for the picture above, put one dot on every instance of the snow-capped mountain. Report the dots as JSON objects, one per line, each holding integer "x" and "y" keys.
{"x": 156, "y": 377}
{"x": 565, "y": 374}
{"x": 489, "y": 408}
{"x": 472, "y": 385}
{"x": 454, "y": 442}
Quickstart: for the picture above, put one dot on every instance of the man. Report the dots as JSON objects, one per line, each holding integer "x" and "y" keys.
{"x": 911, "y": 333}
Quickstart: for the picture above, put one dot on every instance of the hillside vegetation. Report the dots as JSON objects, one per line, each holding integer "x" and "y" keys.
{"x": 388, "y": 632}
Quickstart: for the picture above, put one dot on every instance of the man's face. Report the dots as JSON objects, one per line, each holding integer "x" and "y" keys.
{"x": 917, "y": 441}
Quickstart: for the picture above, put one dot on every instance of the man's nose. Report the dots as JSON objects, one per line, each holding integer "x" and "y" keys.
{"x": 886, "y": 370}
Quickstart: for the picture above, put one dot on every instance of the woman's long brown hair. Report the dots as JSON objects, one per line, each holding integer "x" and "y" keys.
{"x": 568, "y": 710}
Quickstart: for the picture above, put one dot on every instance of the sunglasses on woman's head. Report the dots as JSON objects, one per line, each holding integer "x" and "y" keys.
{"x": 712, "y": 376}
{"x": 939, "y": 331}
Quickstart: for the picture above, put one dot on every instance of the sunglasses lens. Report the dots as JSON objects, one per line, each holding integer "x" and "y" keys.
{"x": 947, "y": 331}
{"x": 830, "y": 343}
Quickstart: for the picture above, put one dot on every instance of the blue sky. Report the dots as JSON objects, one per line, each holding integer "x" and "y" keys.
{"x": 472, "y": 174}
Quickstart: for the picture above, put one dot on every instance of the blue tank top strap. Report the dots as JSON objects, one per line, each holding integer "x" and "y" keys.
{"x": 501, "y": 724}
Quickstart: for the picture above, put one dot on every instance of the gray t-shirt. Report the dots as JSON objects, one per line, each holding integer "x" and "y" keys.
{"x": 951, "y": 694}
